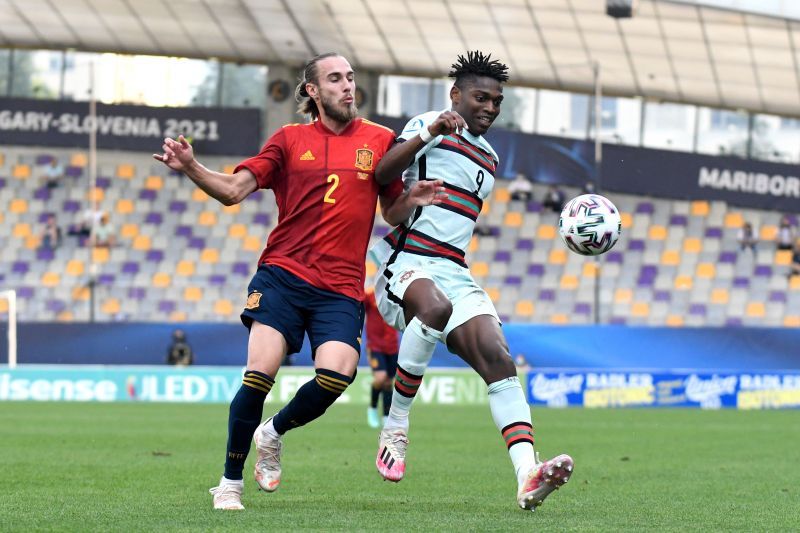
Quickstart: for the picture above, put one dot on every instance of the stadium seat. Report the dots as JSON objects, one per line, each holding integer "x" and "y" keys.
{"x": 223, "y": 307}
{"x": 155, "y": 183}
{"x": 185, "y": 268}
{"x": 670, "y": 258}
{"x": 755, "y": 309}
{"x": 700, "y": 208}
{"x": 193, "y": 294}
{"x": 199, "y": 195}
{"x": 252, "y": 244}
{"x": 557, "y": 256}
{"x": 734, "y": 220}
{"x": 111, "y": 306}
{"x": 18, "y": 205}
{"x": 50, "y": 279}
{"x": 791, "y": 321}
{"x": 640, "y": 309}
{"x": 96, "y": 195}
{"x": 627, "y": 220}
{"x": 692, "y": 245}
{"x": 177, "y": 206}
{"x": 209, "y": 256}
{"x": 228, "y": 169}
{"x": 683, "y": 283}
{"x": 569, "y": 282}
{"x": 589, "y": 269}
{"x": 546, "y": 232}
{"x": 78, "y": 159}
{"x": 674, "y": 320}
{"x": 768, "y": 233}
{"x": 623, "y": 295}
{"x": 524, "y": 308}
{"x": 501, "y": 195}
{"x": 75, "y": 267}
{"x": 657, "y": 233}
{"x": 207, "y": 218}
{"x": 126, "y": 171}
{"x": 493, "y": 293}
{"x": 100, "y": 255}
{"x": 720, "y": 295}
{"x": 161, "y": 280}
{"x": 479, "y": 269}
{"x": 513, "y": 219}
{"x": 129, "y": 231}
{"x": 559, "y": 318}
{"x": 783, "y": 257}
{"x": 706, "y": 270}
{"x": 141, "y": 242}
{"x": 232, "y": 209}
{"x": 177, "y": 316}
{"x": 21, "y": 172}
{"x": 22, "y": 230}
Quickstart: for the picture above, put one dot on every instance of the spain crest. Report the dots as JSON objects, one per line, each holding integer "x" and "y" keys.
{"x": 364, "y": 159}
{"x": 253, "y": 299}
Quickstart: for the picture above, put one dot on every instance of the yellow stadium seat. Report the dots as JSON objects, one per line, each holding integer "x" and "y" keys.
{"x": 237, "y": 231}
{"x": 78, "y": 159}
{"x": 675, "y": 321}
{"x": 65, "y": 316}
{"x": 155, "y": 183}
{"x": 75, "y": 267}
{"x": 50, "y": 279}
{"x": 124, "y": 206}
{"x": 80, "y": 293}
{"x": 161, "y": 280}
{"x": 700, "y": 208}
{"x": 559, "y": 318}
{"x": 670, "y": 257}
{"x": 185, "y": 268}
{"x": 96, "y": 195}
{"x": 768, "y": 233}
{"x": 129, "y": 231}
{"x": 720, "y": 296}
{"x": 501, "y": 195}
{"x": 228, "y": 169}
{"x": 623, "y": 296}
{"x": 252, "y": 244}
{"x": 18, "y": 205}
{"x": 193, "y": 294}
{"x": 557, "y": 256}
{"x": 494, "y": 294}
{"x": 546, "y": 231}
{"x": 207, "y": 218}
{"x": 141, "y": 242}
{"x": 2, "y": 217}
{"x": 223, "y": 307}
{"x": 371, "y": 269}
{"x": 568, "y": 281}
{"x": 22, "y": 230}
{"x": 210, "y": 255}
{"x": 199, "y": 195}
{"x": 485, "y": 208}
{"x": 589, "y": 269}
{"x": 627, "y": 220}
{"x": 125, "y": 172}
{"x": 32, "y": 242}
{"x": 733, "y": 220}
{"x": 100, "y": 255}
{"x": 21, "y": 172}
{"x": 479, "y": 269}
{"x": 640, "y": 309}
{"x": 111, "y": 306}
{"x": 232, "y": 209}
{"x": 692, "y": 245}
{"x": 524, "y": 308}
{"x": 792, "y": 321}
{"x": 473, "y": 244}
{"x": 794, "y": 283}
{"x": 2, "y": 160}
{"x": 177, "y": 316}
{"x": 657, "y": 233}
{"x": 783, "y": 257}
{"x": 513, "y": 219}
{"x": 755, "y": 309}
{"x": 684, "y": 283}
{"x": 3, "y": 306}
{"x": 706, "y": 270}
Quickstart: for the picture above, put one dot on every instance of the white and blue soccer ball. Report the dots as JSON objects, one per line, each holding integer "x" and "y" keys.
{"x": 590, "y": 224}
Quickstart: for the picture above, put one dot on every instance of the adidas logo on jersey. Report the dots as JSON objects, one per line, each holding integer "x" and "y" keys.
{"x": 308, "y": 156}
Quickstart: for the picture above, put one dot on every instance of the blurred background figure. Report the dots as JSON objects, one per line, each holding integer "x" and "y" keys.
{"x": 51, "y": 233}
{"x": 554, "y": 199}
{"x": 747, "y": 237}
{"x": 521, "y": 188}
{"x": 104, "y": 233}
{"x": 795, "y": 268}
{"x": 179, "y": 352}
{"x": 52, "y": 174}
{"x": 786, "y": 234}
{"x": 382, "y": 346}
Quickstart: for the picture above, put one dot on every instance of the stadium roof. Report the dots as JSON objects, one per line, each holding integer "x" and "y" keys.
{"x": 671, "y": 50}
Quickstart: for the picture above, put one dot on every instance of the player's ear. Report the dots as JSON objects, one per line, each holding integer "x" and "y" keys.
{"x": 455, "y": 94}
{"x": 312, "y": 91}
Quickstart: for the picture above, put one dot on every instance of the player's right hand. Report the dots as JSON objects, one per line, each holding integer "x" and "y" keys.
{"x": 447, "y": 123}
{"x": 178, "y": 154}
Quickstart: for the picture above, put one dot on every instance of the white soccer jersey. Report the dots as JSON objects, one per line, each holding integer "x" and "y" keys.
{"x": 466, "y": 164}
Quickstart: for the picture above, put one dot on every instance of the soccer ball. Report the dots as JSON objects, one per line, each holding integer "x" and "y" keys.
{"x": 590, "y": 224}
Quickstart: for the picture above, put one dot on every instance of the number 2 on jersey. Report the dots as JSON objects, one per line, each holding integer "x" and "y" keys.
{"x": 333, "y": 179}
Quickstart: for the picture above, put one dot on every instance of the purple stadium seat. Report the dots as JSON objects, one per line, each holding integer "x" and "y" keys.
{"x": 677, "y": 220}
{"x": 617, "y": 320}
{"x": 130, "y": 267}
{"x": 241, "y": 268}
{"x": 547, "y": 295}
{"x": 505, "y": 319}
{"x": 494, "y": 231}
{"x": 713, "y": 233}
{"x": 44, "y": 159}
{"x": 197, "y": 242}
{"x": 73, "y": 172}
{"x": 183, "y": 231}
{"x": 763, "y": 270}
{"x": 614, "y": 257}
{"x": 2, "y": 182}
{"x": 636, "y": 245}
{"x": 261, "y": 219}
{"x": 662, "y": 296}
{"x": 741, "y": 282}
{"x": 525, "y": 244}
{"x": 502, "y": 255}
{"x": 20, "y": 267}
{"x": 513, "y": 280}
{"x": 733, "y": 322}
{"x": 697, "y": 309}
{"x": 41, "y": 194}
{"x": 216, "y": 279}
{"x": 155, "y": 256}
{"x": 257, "y": 196}
{"x": 148, "y": 194}
{"x": 153, "y": 218}
{"x": 533, "y": 207}
{"x": 55, "y": 306}
{"x": 727, "y": 257}
{"x": 645, "y": 208}
{"x": 535, "y": 269}
{"x": 103, "y": 183}
{"x": 166, "y": 306}
{"x": 106, "y": 279}
{"x": 136, "y": 293}
{"x": 582, "y": 308}
{"x": 380, "y": 231}
{"x": 25, "y": 292}
{"x": 777, "y": 296}
{"x": 45, "y": 254}
{"x": 177, "y": 206}
{"x": 71, "y": 206}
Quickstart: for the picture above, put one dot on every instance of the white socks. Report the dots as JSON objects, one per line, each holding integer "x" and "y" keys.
{"x": 512, "y": 416}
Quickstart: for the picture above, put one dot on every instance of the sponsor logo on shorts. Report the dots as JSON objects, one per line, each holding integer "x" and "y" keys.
{"x": 407, "y": 274}
{"x": 253, "y": 300}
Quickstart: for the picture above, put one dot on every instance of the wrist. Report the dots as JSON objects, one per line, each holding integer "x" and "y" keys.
{"x": 425, "y": 135}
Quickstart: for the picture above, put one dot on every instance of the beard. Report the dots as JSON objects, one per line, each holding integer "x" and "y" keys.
{"x": 338, "y": 112}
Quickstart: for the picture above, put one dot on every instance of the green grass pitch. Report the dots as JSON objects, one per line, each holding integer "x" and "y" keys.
{"x": 148, "y": 467}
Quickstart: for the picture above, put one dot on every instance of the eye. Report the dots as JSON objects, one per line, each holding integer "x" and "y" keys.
{"x": 480, "y": 98}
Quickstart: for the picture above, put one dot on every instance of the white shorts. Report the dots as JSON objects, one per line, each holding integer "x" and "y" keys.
{"x": 456, "y": 282}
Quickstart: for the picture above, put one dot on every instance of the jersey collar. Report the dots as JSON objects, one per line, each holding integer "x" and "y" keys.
{"x": 349, "y": 129}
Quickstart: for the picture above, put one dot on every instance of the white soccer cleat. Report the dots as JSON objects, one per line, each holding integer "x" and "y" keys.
{"x": 391, "y": 459}
{"x": 228, "y": 496}
{"x": 268, "y": 461}
{"x": 543, "y": 479}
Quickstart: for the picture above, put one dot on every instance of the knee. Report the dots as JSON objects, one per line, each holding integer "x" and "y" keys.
{"x": 437, "y": 312}
{"x": 496, "y": 363}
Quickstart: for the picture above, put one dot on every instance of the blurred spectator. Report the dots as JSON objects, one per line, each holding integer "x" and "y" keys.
{"x": 179, "y": 352}
{"x": 588, "y": 188}
{"x": 747, "y": 237}
{"x": 52, "y": 174}
{"x": 482, "y": 230}
{"x": 786, "y": 234}
{"x": 84, "y": 226}
{"x": 795, "y": 268}
{"x": 521, "y": 188}
{"x": 554, "y": 199}
{"x": 51, "y": 233}
{"x": 104, "y": 233}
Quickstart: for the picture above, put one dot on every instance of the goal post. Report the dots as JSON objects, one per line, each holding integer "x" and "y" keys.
{"x": 10, "y": 297}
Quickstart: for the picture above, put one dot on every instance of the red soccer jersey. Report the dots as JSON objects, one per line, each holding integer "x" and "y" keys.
{"x": 326, "y": 193}
{"x": 381, "y": 337}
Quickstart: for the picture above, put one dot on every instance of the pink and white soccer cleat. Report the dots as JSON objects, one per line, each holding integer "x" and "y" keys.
{"x": 543, "y": 479}
{"x": 268, "y": 461}
{"x": 228, "y": 496}
{"x": 391, "y": 459}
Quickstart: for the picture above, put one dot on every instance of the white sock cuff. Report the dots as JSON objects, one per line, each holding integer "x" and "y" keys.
{"x": 424, "y": 332}
{"x": 226, "y": 481}
{"x": 505, "y": 384}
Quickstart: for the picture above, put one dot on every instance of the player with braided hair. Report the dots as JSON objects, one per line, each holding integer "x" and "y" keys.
{"x": 424, "y": 287}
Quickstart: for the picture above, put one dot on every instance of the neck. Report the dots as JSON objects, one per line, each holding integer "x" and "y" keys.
{"x": 334, "y": 125}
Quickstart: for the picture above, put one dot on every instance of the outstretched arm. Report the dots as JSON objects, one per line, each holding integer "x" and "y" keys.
{"x": 422, "y": 193}
{"x": 401, "y": 155}
{"x": 228, "y": 189}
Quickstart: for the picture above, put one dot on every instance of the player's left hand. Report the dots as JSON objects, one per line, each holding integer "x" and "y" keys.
{"x": 427, "y": 193}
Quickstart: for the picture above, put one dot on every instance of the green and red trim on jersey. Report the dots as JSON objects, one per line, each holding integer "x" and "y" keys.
{"x": 517, "y": 432}
{"x": 459, "y": 145}
{"x": 418, "y": 243}
{"x": 406, "y": 383}
{"x": 461, "y": 201}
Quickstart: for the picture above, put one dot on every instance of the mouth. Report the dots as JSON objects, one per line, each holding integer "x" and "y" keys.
{"x": 348, "y": 100}
{"x": 484, "y": 120}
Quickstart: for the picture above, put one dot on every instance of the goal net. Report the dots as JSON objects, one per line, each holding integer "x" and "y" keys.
{"x": 8, "y": 318}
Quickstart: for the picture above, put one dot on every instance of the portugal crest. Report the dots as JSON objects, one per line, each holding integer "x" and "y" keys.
{"x": 364, "y": 159}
